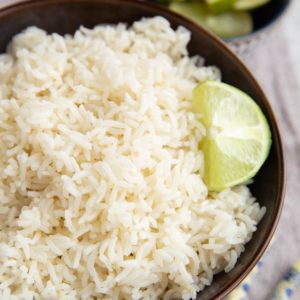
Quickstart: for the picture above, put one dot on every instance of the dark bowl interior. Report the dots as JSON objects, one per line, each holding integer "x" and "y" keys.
{"x": 269, "y": 13}
{"x": 65, "y": 16}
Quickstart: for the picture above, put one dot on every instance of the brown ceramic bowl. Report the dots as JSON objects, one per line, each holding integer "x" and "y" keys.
{"x": 65, "y": 16}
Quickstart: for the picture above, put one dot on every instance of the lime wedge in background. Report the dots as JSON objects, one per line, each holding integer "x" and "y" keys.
{"x": 249, "y": 4}
{"x": 238, "y": 137}
{"x": 226, "y": 25}
{"x": 220, "y": 6}
{"x": 230, "y": 24}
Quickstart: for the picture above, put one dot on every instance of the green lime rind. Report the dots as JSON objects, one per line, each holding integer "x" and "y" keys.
{"x": 238, "y": 136}
{"x": 249, "y": 4}
{"x": 220, "y": 6}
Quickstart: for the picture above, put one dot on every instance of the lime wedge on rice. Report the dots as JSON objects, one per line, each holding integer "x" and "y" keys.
{"x": 238, "y": 137}
{"x": 249, "y": 4}
{"x": 220, "y": 6}
{"x": 225, "y": 25}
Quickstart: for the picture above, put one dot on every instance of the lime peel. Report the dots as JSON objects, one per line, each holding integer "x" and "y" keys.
{"x": 249, "y": 4}
{"x": 220, "y": 6}
{"x": 238, "y": 136}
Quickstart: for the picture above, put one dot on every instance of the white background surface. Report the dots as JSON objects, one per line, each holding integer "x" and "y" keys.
{"x": 276, "y": 64}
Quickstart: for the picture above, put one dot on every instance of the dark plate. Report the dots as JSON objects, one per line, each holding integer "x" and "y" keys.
{"x": 263, "y": 16}
{"x": 65, "y": 16}
{"x": 265, "y": 19}
{"x": 268, "y": 14}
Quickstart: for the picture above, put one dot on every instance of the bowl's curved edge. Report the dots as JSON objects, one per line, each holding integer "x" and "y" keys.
{"x": 275, "y": 127}
{"x": 258, "y": 255}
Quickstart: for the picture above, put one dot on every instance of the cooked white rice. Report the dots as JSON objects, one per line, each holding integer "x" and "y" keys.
{"x": 101, "y": 191}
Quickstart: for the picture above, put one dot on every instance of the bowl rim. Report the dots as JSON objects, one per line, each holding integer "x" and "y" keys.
{"x": 280, "y": 196}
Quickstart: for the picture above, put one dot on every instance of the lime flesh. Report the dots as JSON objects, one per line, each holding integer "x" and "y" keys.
{"x": 238, "y": 137}
{"x": 225, "y": 25}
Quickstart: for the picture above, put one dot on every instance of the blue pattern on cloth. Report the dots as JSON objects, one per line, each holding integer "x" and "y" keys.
{"x": 289, "y": 292}
{"x": 246, "y": 287}
{"x": 284, "y": 290}
{"x": 288, "y": 284}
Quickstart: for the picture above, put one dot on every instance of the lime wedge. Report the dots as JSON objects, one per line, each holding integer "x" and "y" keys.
{"x": 230, "y": 24}
{"x": 226, "y": 25}
{"x": 249, "y": 4}
{"x": 238, "y": 137}
{"x": 220, "y": 6}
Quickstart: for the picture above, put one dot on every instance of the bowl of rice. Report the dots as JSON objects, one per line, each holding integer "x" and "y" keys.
{"x": 101, "y": 190}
